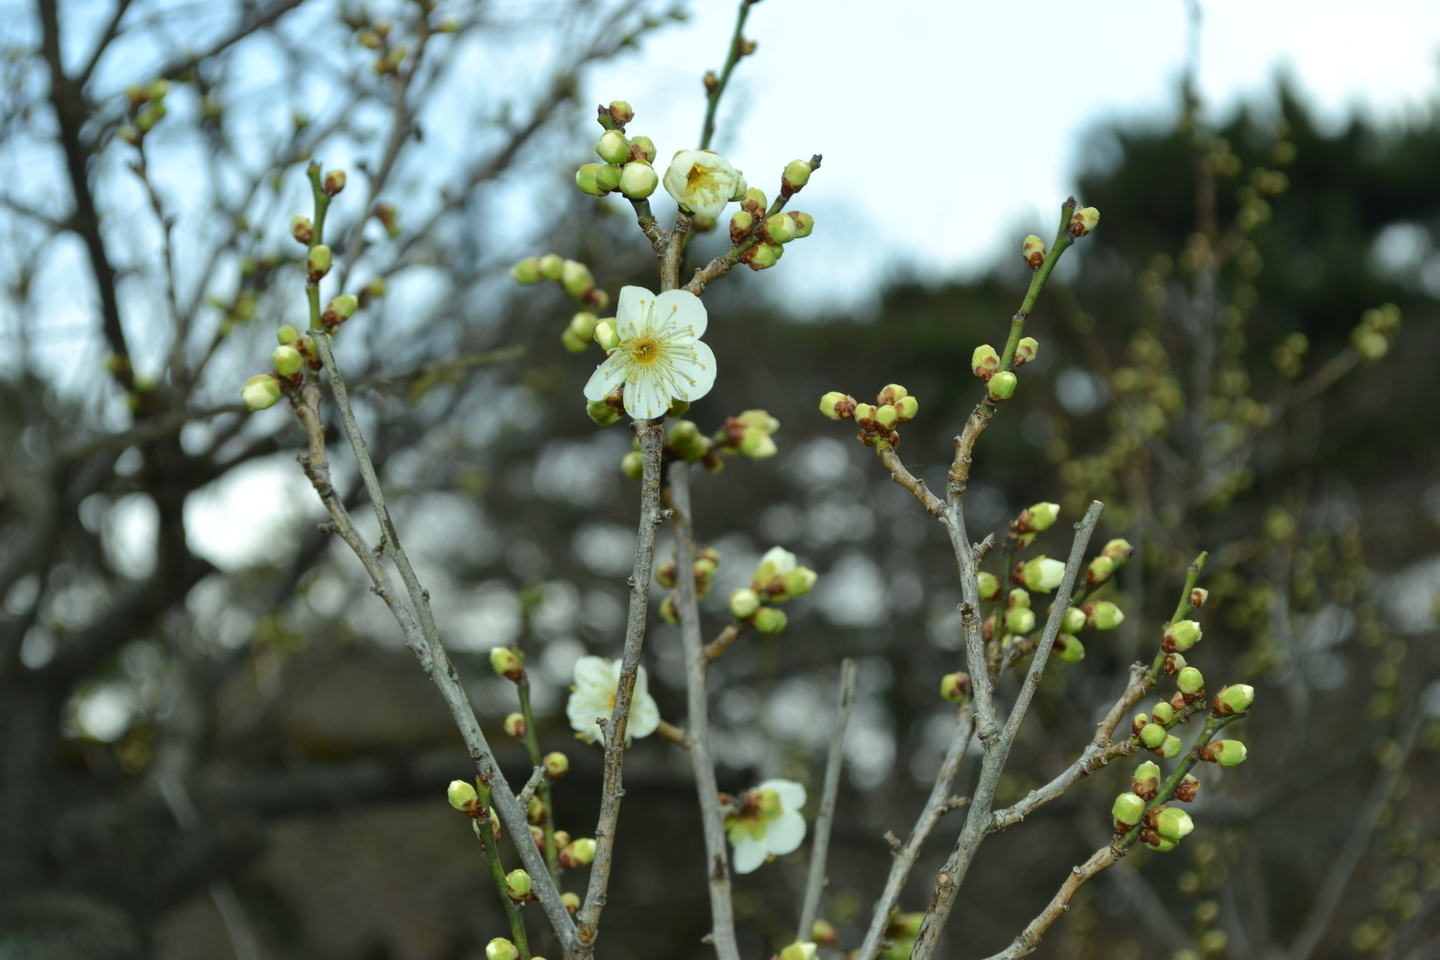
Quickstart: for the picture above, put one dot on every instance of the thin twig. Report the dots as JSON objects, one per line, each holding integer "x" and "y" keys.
{"x": 898, "y": 472}
{"x": 825, "y": 819}
{"x": 527, "y": 793}
{"x": 716, "y": 648}
{"x": 490, "y": 845}
{"x": 697, "y": 740}
{"x": 1029, "y": 939}
{"x": 737, "y": 50}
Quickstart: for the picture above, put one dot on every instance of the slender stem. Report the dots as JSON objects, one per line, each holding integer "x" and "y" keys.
{"x": 712, "y": 99}
{"x": 716, "y": 648}
{"x": 697, "y": 740}
{"x": 532, "y": 746}
{"x": 1062, "y": 242}
{"x": 652, "y": 443}
{"x": 997, "y": 746}
{"x": 1183, "y": 609}
{"x": 825, "y": 819}
{"x": 491, "y": 848}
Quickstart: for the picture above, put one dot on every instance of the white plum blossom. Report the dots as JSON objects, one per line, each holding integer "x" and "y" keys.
{"x": 702, "y": 182}
{"x": 767, "y": 824}
{"x": 659, "y": 357}
{"x": 596, "y": 681}
{"x": 776, "y": 563}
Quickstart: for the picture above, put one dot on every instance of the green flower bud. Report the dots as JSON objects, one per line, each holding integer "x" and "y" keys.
{"x": 260, "y": 392}
{"x": 1173, "y": 822}
{"x": 587, "y": 179}
{"x": 1020, "y": 620}
{"x": 764, "y": 255}
{"x": 1099, "y": 571}
{"x": 1198, "y": 596}
{"x": 1174, "y": 663}
{"x": 1118, "y": 551}
{"x": 1068, "y": 649}
{"x": 334, "y": 182}
{"x": 556, "y": 764}
{"x": 287, "y": 360}
{"x": 1128, "y": 809}
{"x": 770, "y": 620}
{"x": 985, "y": 361}
{"x": 526, "y": 271}
{"x": 613, "y": 147}
{"x": 1103, "y": 615}
{"x": 146, "y": 119}
{"x": 551, "y": 267}
{"x": 1026, "y": 350}
{"x": 799, "y": 581}
{"x": 1227, "y": 753}
{"x": 601, "y": 412}
{"x": 800, "y": 950}
{"x": 1162, "y": 712}
{"x": 836, "y": 405}
{"x": 535, "y": 810}
{"x": 1153, "y": 735}
{"x": 606, "y": 336}
{"x": 1074, "y": 621}
{"x": 757, "y": 445}
{"x": 796, "y": 175}
{"x": 1043, "y": 574}
{"x": 780, "y": 228}
{"x": 1170, "y": 749}
{"x": 302, "y": 230}
{"x": 1181, "y": 636}
{"x": 508, "y": 663}
{"x": 318, "y": 262}
{"x": 1083, "y": 221}
{"x": 824, "y": 932}
{"x": 287, "y": 335}
{"x": 462, "y": 796}
{"x": 1002, "y": 386}
{"x": 743, "y": 603}
{"x": 886, "y": 415}
{"x": 1161, "y": 844}
{"x": 756, "y": 196}
{"x": 1033, "y": 250}
{"x": 501, "y": 949}
{"x": 517, "y": 884}
{"x": 1187, "y": 789}
{"x": 804, "y": 224}
{"x": 621, "y": 112}
{"x": 576, "y": 279}
{"x": 1190, "y": 682}
{"x": 955, "y": 687}
{"x": 515, "y": 725}
{"x": 571, "y": 901}
{"x": 1017, "y": 598}
{"x": 632, "y": 465}
{"x": 1040, "y": 516}
{"x": 1146, "y": 781}
{"x": 1234, "y": 698}
{"x": 740, "y": 224}
{"x": 989, "y": 585}
{"x": 907, "y": 407}
{"x": 642, "y": 148}
{"x": 578, "y": 853}
{"x": 343, "y": 307}
{"x": 638, "y": 180}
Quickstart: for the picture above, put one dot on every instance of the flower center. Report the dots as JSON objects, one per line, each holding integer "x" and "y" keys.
{"x": 697, "y": 173}
{"x": 645, "y": 351}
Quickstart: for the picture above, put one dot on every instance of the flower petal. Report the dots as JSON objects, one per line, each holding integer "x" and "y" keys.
{"x": 792, "y": 794}
{"x": 697, "y": 366}
{"x": 680, "y": 309}
{"x": 594, "y": 674}
{"x": 634, "y": 305}
{"x": 785, "y": 833}
{"x": 645, "y": 397}
{"x": 749, "y": 854}
{"x": 607, "y": 378}
{"x": 644, "y": 715}
{"x": 582, "y": 709}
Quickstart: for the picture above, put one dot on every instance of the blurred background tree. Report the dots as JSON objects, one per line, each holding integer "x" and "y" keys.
{"x": 212, "y": 743}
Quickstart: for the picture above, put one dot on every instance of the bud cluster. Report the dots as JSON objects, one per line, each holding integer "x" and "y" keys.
{"x": 146, "y": 106}
{"x": 578, "y": 282}
{"x": 1375, "y": 334}
{"x": 707, "y": 561}
{"x": 893, "y": 406}
{"x": 777, "y": 578}
{"x": 1033, "y": 520}
{"x": 1114, "y": 557}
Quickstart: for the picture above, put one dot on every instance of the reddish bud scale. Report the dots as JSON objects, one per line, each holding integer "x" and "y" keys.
{"x": 1198, "y": 596}
{"x": 1187, "y": 789}
{"x": 1174, "y": 663}
{"x": 1178, "y": 702}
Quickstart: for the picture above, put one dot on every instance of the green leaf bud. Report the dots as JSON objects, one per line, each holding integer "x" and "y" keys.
{"x": 1128, "y": 809}
{"x": 1233, "y": 699}
{"x": 985, "y": 361}
{"x": 287, "y": 360}
{"x": 556, "y": 764}
{"x": 260, "y": 392}
{"x": 638, "y": 180}
{"x": 1181, "y": 636}
{"x": 780, "y": 228}
{"x": 1103, "y": 615}
{"x": 1002, "y": 386}
{"x": 462, "y": 796}
{"x": 799, "y": 950}
{"x": 517, "y": 884}
{"x": 1073, "y": 622}
{"x": 1068, "y": 649}
{"x": 1173, "y": 822}
{"x": 989, "y": 585}
{"x": 1153, "y": 735}
{"x": 796, "y": 175}
{"x": 1162, "y": 712}
{"x": 613, "y": 147}
{"x": 1170, "y": 749}
{"x": 317, "y": 264}
{"x": 1020, "y": 620}
{"x": 551, "y": 267}
{"x": 501, "y": 949}
{"x": 576, "y": 279}
{"x": 804, "y": 224}
{"x": 770, "y": 620}
{"x": 302, "y": 230}
{"x": 743, "y": 603}
{"x": 837, "y": 406}
{"x": 1084, "y": 221}
{"x": 955, "y": 687}
{"x": 1227, "y": 753}
{"x": 1190, "y": 682}
{"x": 508, "y": 663}
{"x": 632, "y": 465}
{"x": 1026, "y": 350}
{"x": 577, "y": 853}
{"x": 1146, "y": 781}
{"x": 515, "y": 725}
{"x": 1033, "y": 250}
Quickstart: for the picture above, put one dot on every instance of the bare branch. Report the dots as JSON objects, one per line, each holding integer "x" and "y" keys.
{"x": 820, "y": 846}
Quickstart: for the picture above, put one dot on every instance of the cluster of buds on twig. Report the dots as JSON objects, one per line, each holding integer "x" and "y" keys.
{"x": 146, "y": 105}
{"x": 1033, "y": 520}
{"x": 707, "y": 562}
{"x": 628, "y": 162}
{"x": 751, "y": 434}
{"x": 1112, "y": 558}
{"x": 986, "y": 363}
{"x": 573, "y": 275}
{"x": 777, "y": 578}
{"x": 1083, "y": 221}
{"x": 377, "y": 37}
{"x": 1372, "y": 338}
{"x": 770, "y": 231}
{"x": 893, "y": 406}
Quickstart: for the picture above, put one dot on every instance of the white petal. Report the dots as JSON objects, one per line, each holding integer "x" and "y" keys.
{"x": 645, "y": 398}
{"x": 633, "y": 304}
{"x": 582, "y": 709}
{"x": 680, "y": 308}
{"x": 792, "y": 794}
{"x": 785, "y": 833}
{"x": 644, "y": 715}
{"x": 594, "y": 674}
{"x": 749, "y": 854}
{"x": 698, "y": 371}
{"x": 784, "y": 562}
{"x": 607, "y": 377}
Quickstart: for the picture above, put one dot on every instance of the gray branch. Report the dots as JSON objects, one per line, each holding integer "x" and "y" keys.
{"x": 820, "y": 847}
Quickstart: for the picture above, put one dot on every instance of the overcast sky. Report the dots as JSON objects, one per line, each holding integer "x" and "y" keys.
{"x": 951, "y": 129}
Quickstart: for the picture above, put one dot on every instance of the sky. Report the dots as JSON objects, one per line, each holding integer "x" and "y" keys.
{"x": 951, "y": 129}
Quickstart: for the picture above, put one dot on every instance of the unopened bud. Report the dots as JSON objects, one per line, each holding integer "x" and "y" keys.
{"x": 763, "y": 256}
{"x": 287, "y": 335}
{"x": 613, "y": 147}
{"x": 1073, "y": 622}
{"x": 780, "y": 228}
{"x": 669, "y": 611}
{"x": 607, "y": 178}
{"x": 1187, "y": 789}
{"x": 318, "y": 262}
{"x": 556, "y": 765}
{"x": 1173, "y": 822}
{"x": 287, "y": 360}
{"x": 1026, "y": 350}
{"x": 886, "y": 415}
{"x": 525, "y": 271}
{"x": 1068, "y": 649}
{"x": 1118, "y": 551}
{"x": 561, "y": 839}
{"x": 837, "y": 406}
{"x": 907, "y": 408}
{"x": 260, "y": 392}
{"x": 1198, "y": 596}
{"x": 989, "y": 585}
{"x": 606, "y": 336}
{"x": 1128, "y": 809}
{"x": 1020, "y": 620}
{"x": 642, "y": 148}
{"x": 1233, "y": 699}
{"x": 1099, "y": 571}
{"x": 638, "y": 180}
{"x": 515, "y": 725}
{"x": 1190, "y": 682}
{"x": 508, "y": 663}
{"x": 334, "y": 182}
{"x": 1153, "y": 735}
{"x": 577, "y": 853}
{"x": 601, "y": 412}
{"x": 1160, "y": 844}
{"x": 770, "y": 620}
{"x": 799, "y": 581}
{"x": 302, "y": 230}
{"x": 571, "y": 901}
{"x": 1174, "y": 663}
{"x": 1146, "y": 781}
{"x": 1170, "y": 749}
{"x": 1181, "y": 636}
{"x": 1033, "y": 250}
{"x": 632, "y": 465}
{"x": 757, "y": 444}
{"x": 1227, "y": 753}
{"x": 1162, "y": 712}
{"x": 535, "y": 811}
{"x": 985, "y": 361}
{"x": 865, "y": 413}
{"x": 1083, "y": 221}
{"x": 740, "y": 223}
{"x": 551, "y": 267}
{"x": 501, "y": 949}
{"x": 576, "y": 279}
{"x": 800, "y": 950}
{"x": 743, "y": 603}
{"x": 1001, "y": 386}
{"x": 804, "y": 224}
{"x": 1103, "y": 615}
{"x": 955, "y": 687}
{"x": 517, "y": 884}
{"x": 462, "y": 796}
{"x": 587, "y": 179}
{"x": 1042, "y": 574}
{"x": 823, "y": 932}
{"x": 796, "y": 175}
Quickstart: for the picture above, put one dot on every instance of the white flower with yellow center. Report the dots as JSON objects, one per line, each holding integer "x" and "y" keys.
{"x": 593, "y": 696}
{"x": 702, "y": 182}
{"x": 768, "y": 823}
{"x": 659, "y": 357}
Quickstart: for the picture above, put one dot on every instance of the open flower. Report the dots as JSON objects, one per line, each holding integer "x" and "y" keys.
{"x": 593, "y": 696}
{"x": 659, "y": 357}
{"x": 702, "y": 182}
{"x": 768, "y": 823}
